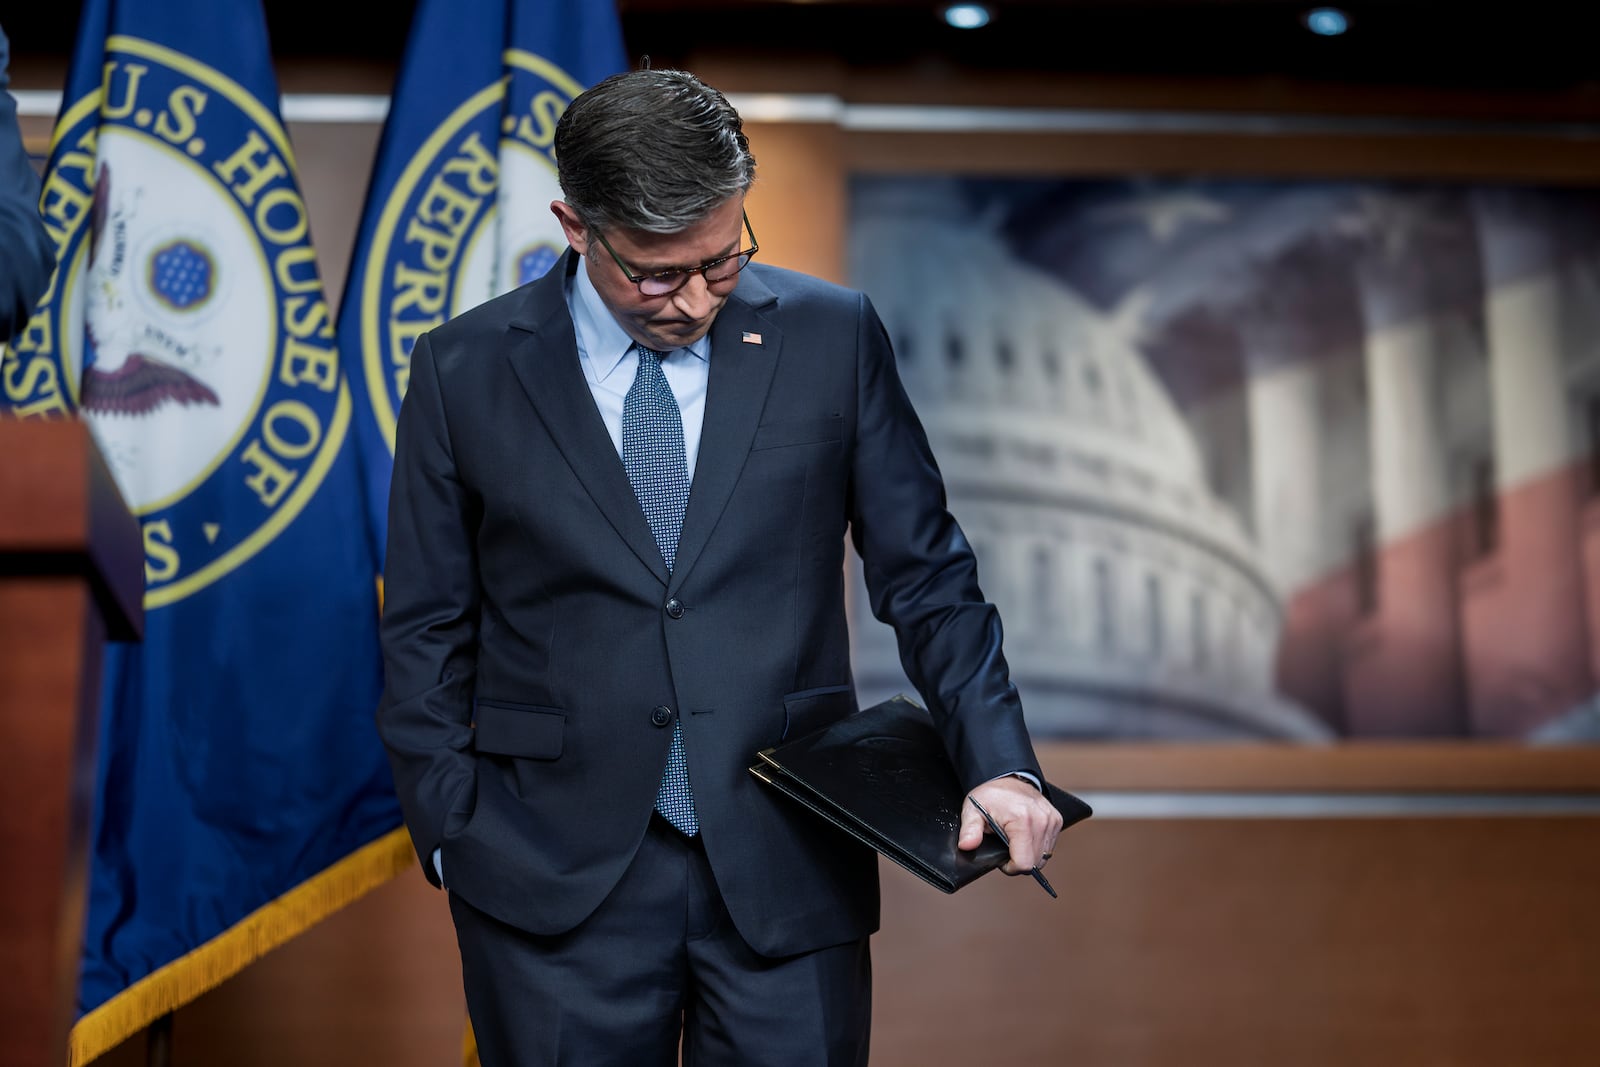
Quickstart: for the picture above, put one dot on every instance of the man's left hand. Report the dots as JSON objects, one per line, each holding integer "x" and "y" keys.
{"x": 1030, "y": 821}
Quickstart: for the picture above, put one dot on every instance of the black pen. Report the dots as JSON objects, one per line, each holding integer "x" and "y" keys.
{"x": 1038, "y": 875}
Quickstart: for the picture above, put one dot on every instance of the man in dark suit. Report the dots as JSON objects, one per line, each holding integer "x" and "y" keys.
{"x": 615, "y": 572}
{"x": 27, "y": 255}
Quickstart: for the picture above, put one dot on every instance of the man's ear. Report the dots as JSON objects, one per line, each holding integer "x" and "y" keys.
{"x": 576, "y": 232}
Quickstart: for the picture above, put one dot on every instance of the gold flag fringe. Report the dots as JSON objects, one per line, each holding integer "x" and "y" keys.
{"x": 204, "y": 968}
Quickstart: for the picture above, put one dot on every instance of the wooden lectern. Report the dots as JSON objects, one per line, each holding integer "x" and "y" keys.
{"x": 71, "y": 577}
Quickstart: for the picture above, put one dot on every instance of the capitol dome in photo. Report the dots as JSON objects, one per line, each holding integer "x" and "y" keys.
{"x": 1133, "y": 599}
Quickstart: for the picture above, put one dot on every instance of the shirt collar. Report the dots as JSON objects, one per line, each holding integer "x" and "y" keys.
{"x": 603, "y": 341}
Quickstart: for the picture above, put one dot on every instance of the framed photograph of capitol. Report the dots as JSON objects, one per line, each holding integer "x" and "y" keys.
{"x": 1286, "y": 459}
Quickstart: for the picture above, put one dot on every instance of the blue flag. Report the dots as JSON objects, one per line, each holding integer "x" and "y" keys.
{"x": 458, "y": 209}
{"x": 242, "y": 793}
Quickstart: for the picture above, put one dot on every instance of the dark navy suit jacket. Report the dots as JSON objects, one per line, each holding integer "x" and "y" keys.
{"x": 526, "y": 745}
{"x": 26, "y": 253}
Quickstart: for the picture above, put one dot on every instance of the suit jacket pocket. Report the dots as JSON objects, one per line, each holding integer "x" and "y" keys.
{"x": 783, "y": 432}
{"x": 812, "y": 709}
{"x": 524, "y": 730}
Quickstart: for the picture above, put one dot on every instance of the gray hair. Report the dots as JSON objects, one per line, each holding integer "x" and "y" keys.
{"x": 652, "y": 150}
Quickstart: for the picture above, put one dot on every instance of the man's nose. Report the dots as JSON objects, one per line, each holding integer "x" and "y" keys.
{"x": 695, "y": 298}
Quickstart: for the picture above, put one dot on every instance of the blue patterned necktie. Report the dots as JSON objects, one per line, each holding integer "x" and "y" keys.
{"x": 654, "y": 457}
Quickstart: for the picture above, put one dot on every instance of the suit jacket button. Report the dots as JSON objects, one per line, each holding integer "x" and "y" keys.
{"x": 675, "y": 608}
{"x": 661, "y": 715}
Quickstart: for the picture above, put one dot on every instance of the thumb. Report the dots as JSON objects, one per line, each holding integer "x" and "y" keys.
{"x": 972, "y": 828}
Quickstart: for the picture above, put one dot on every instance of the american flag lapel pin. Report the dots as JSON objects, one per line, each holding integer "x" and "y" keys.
{"x": 750, "y": 338}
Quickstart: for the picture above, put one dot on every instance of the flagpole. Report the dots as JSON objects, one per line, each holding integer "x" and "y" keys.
{"x": 158, "y": 1042}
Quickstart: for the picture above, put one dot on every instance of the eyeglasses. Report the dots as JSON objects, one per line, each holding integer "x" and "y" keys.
{"x": 667, "y": 282}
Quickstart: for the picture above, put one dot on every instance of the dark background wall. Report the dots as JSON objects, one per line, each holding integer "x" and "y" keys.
{"x": 1532, "y": 45}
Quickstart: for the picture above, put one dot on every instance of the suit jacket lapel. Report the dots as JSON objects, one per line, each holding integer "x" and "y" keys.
{"x": 741, "y": 374}
{"x": 545, "y": 360}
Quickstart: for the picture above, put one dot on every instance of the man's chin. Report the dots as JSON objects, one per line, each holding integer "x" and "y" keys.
{"x": 680, "y": 336}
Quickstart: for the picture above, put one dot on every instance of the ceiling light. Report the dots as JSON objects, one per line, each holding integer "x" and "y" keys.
{"x": 967, "y": 16}
{"x": 1326, "y": 21}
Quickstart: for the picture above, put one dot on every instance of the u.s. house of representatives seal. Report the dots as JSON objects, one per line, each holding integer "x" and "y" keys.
{"x": 187, "y": 322}
{"x": 467, "y": 219}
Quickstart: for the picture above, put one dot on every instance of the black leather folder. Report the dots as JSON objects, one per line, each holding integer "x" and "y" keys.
{"x": 882, "y": 775}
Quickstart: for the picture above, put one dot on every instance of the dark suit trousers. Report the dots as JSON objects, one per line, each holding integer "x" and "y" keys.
{"x": 659, "y": 960}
